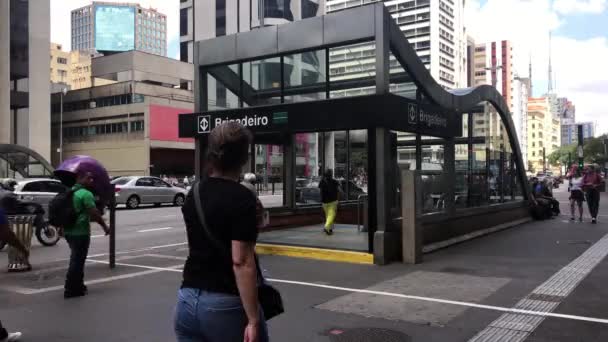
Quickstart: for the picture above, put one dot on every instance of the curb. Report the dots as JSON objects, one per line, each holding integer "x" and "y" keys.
{"x": 315, "y": 253}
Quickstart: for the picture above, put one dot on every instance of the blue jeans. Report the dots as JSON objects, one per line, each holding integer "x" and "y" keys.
{"x": 202, "y": 316}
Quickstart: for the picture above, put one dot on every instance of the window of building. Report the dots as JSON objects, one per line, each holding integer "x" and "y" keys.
{"x": 220, "y": 18}
{"x": 278, "y": 9}
{"x": 309, "y": 9}
{"x": 62, "y": 60}
{"x": 183, "y": 51}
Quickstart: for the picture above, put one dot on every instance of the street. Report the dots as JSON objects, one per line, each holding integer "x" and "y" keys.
{"x": 542, "y": 281}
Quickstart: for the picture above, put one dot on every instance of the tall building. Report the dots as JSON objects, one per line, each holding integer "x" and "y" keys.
{"x": 570, "y": 132}
{"x": 435, "y": 28}
{"x": 24, "y": 75}
{"x": 73, "y": 68}
{"x": 115, "y": 27}
{"x": 519, "y": 112}
{"x": 543, "y": 132}
{"x": 567, "y": 114}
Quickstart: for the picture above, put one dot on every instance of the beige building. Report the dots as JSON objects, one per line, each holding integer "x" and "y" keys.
{"x": 73, "y": 68}
{"x": 131, "y": 126}
{"x": 543, "y": 133}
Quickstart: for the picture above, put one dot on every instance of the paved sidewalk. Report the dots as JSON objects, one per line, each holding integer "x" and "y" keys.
{"x": 456, "y": 294}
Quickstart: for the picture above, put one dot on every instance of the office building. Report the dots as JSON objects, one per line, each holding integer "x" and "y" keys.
{"x": 519, "y": 112}
{"x": 111, "y": 27}
{"x": 60, "y": 68}
{"x": 570, "y": 132}
{"x": 544, "y": 133}
{"x": 435, "y": 28}
{"x": 24, "y": 75}
{"x": 131, "y": 125}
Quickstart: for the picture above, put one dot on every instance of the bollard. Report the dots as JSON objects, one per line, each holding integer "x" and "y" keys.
{"x": 112, "y": 255}
{"x": 273, "y": 187}
{"x": 23, "y": 227}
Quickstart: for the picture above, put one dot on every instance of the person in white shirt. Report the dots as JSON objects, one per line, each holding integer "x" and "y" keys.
{"x": 577, "y": 196}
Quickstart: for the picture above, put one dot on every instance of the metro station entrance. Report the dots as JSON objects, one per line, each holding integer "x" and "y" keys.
{"x": 347, "y": 92}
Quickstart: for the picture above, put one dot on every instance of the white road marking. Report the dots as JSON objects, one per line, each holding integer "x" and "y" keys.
{"x": 402, "y": 296}
{"x": 547, "y": 296}
{"x": 150, "y": 270}
{"x": 154, "y": 229}
{"x": 97, "y": 236}
{"x": 162, "y": 256}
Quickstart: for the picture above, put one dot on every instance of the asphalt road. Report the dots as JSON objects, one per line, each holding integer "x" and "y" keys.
{"x": 556, "y": 270}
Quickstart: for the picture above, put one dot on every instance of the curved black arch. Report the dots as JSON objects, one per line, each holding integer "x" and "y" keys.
{"x": 458, "y": 100}
{"x": 11, "y": 148}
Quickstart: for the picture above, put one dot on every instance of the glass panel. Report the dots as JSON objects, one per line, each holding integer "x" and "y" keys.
{"x": 263, "y": 79}
{"x": 223, "y": 85}
{"x": 307, "y": 168}
{"x": 433, "y": 180}
{"x": 358, "y": 181}
{"x": 400, "y": 81}
{"x": 269, "y": 172}
{"x": 352, "y": 70}
{"x": 335, "y": 153}
{"x": 461, "y": 186}
{"x": 406, "y": 150}
{"x": 304, "y": 76}
{"x": 478, "y": 189}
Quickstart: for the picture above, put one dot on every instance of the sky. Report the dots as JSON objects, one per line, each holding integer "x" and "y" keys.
{"x": 61, "y": 26}
{"x": 579, "y": 42}
{"x": 579, "y": 46}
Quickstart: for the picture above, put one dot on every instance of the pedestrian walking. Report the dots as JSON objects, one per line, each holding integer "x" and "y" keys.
{"x": 591, "y": 183}
{"x": 249, "y": 182}
{"x": 218, "y": 300}
{"x": 577, "y": 196}
{"x": 78, "y": 233}
{"x": 6, "y": 235}
{"x": 330, "y": 190}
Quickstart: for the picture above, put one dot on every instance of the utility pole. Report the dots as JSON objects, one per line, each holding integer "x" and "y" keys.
{"x": 544, "y": 161}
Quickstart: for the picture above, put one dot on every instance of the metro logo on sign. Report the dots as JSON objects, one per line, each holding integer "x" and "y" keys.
{"x": 204, "y": 124}
{"x": 412, "y": 113}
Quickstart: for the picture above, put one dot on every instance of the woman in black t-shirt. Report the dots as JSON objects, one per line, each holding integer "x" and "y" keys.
{"x": 218, "y": 299}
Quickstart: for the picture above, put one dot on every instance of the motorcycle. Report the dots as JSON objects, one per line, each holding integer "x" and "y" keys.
{"x": 46, "y": 234}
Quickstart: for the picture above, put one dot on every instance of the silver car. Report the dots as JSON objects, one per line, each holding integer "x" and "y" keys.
{"x": 133, "y": 191}
{"x": 40, "y": 191}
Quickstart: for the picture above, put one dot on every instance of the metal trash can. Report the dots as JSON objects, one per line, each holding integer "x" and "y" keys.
{"x": 23, "y": 227}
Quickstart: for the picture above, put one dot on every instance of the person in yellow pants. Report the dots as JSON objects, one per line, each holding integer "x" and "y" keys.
{"x": 330, "y": 188}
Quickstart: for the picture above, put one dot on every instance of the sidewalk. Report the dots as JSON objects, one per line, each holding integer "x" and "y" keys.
{"x": 454, "y": 295}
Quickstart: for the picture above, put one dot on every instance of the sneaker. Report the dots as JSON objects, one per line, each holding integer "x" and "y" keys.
{"x": 572, "y": 218}
{"x": 580, "y": 219}
{"x": 74, "y": 294}
{"x": 594, "y": 220}
{"x": 328, "y": 231}
{"x": 12, "y": 337}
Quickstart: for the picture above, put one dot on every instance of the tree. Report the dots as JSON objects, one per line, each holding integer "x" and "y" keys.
{"x": 561, "y": 155}
{"x": 593, "y": 150}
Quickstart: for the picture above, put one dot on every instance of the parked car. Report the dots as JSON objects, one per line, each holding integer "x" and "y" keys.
{"x": 133, "y": 191}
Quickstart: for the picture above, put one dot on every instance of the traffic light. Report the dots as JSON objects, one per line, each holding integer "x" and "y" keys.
{"x": 581, "y": 164}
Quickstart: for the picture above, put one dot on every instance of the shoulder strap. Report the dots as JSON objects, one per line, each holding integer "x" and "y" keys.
{"x": 198, "y": 203}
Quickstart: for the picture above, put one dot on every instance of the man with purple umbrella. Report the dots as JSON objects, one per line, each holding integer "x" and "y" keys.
{"x": 90, "y": 179}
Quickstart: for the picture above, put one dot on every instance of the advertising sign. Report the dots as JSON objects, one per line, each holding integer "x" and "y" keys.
{"x": 114, "y": 28}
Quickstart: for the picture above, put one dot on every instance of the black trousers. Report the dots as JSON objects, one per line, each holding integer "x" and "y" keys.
{"x": 593, "y": 201}
{"x": 79, "y": 247}
{"x": 3, "y": 332}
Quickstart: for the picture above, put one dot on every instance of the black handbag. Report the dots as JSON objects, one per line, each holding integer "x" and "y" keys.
{"x": 269, "y": 297}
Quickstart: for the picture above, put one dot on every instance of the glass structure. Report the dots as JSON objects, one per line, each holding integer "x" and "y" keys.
{"x": 365, "y": 121}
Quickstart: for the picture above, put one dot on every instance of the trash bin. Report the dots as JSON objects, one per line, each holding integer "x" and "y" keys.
{"x": 23, "y": 227}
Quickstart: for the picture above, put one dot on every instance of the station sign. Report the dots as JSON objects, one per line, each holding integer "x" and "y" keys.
{"x": 390, "y": 111}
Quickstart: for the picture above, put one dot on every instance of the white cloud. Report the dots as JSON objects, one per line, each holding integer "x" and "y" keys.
{"x": 579, "y": 6}
{"x": 578, "y": 65}
{"x": 61, "y": 26}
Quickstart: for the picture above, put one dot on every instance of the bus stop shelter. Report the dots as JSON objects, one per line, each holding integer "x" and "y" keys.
{"x": 348, "y": 92}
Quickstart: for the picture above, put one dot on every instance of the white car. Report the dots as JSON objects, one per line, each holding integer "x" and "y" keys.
{"x": 135, "y": 190}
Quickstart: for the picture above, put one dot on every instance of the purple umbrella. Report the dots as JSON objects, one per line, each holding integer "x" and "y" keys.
{"x": 67, "y": 171}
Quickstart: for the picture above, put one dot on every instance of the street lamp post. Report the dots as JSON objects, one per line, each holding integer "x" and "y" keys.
{"x": 61, "y": 95}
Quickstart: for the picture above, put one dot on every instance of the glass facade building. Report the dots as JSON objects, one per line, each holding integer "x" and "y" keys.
{"x": 148, "y": 29}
